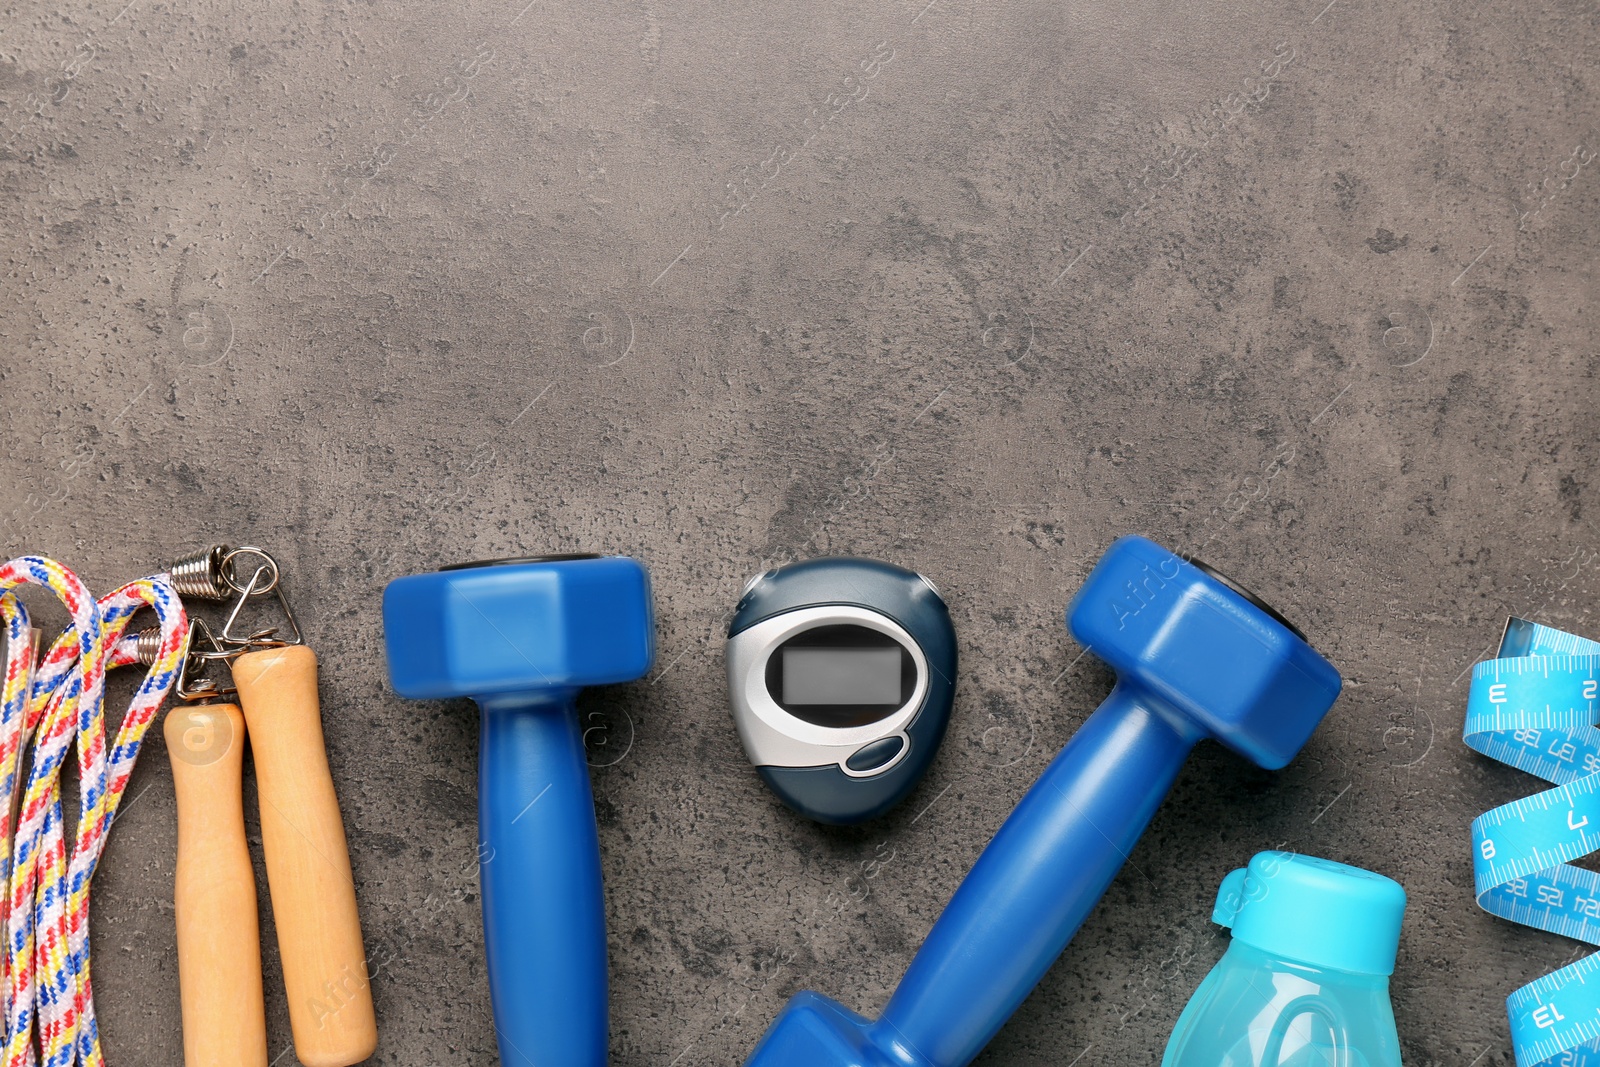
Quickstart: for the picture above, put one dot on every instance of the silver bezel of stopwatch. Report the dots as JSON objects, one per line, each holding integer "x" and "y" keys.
{"x": 773, "y": 737}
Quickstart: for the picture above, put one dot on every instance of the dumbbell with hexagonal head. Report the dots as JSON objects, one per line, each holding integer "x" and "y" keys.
{"x": 522, "y": 637}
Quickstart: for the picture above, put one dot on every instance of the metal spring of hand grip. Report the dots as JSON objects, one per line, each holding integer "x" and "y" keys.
{"x": 203, "y": 575}
{"x": 190, "y": 686}
{"x": 148, "y": 645}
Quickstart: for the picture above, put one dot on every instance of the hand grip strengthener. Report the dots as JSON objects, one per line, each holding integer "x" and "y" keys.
{"x": 1196, "y": 656}
{"x": 522, "y": 637}
{"x": 309, "y": 875}
{"x": 214, "y": 886}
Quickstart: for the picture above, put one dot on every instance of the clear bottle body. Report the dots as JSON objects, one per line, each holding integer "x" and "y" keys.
{"x": 1259, "y": 1010}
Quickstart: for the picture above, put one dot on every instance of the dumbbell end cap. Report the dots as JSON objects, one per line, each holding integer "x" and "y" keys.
{"x": 1272, "y": 612}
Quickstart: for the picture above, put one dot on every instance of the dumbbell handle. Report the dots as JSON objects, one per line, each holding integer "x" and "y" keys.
{"x": 539, "y": 867}
{"x": 1037, "y": 881}
{"x": 214, "y": 892}
{"x": 308, "y": 861}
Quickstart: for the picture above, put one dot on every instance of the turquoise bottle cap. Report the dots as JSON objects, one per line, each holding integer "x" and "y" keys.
{"x": 1314, "y": 911}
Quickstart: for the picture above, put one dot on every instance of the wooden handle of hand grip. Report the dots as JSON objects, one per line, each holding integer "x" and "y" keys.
{"x": 308, "y": 861}
{"x": 219, "y": 939}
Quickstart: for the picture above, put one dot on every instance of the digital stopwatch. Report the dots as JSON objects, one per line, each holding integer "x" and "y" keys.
{"x": 841, "y": 672}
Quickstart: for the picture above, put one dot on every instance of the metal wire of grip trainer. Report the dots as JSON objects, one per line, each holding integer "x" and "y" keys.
{"x": 211, "y": 575}
{"x": 256, "y": 587}
{"x": 214, "y": 575}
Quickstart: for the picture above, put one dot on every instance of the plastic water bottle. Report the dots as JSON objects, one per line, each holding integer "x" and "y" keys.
{"x": 1305, "y": 981}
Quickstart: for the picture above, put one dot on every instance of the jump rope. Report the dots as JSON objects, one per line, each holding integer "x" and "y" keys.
{"x": 45, "y": 985}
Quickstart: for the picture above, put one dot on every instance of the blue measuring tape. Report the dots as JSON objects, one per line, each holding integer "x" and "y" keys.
{"x": 1534, "y": 706}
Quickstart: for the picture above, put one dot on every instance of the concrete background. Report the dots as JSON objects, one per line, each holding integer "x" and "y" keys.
{"x": 970, "y": 287}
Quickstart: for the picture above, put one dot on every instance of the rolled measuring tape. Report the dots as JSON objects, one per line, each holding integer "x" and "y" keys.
{"x": 1534, "y": 706}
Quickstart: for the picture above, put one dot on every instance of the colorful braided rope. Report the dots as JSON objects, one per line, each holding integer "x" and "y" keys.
{"x": 44, "y": 970}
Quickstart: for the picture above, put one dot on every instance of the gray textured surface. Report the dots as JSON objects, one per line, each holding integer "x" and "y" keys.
{"x": 384, "y": 288}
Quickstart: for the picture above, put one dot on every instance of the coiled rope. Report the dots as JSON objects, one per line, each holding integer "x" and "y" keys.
{"x": 45, "y": 988}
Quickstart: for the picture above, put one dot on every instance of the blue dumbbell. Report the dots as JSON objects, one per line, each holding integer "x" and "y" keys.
{"x": 1196, "y": 656}
{"x": 522, "y": 637}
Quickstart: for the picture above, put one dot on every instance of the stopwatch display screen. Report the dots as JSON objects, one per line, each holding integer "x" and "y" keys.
{"x": 841, "y": 675}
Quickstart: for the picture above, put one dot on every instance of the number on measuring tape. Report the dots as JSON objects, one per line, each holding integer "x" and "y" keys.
{"x": 1533, "y": 707}
{"x": 1546, "y": 1016}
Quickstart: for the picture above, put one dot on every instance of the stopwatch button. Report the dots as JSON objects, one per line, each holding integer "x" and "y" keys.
{"x": 753, "y": 581}
{"x": 877, "y": 754}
